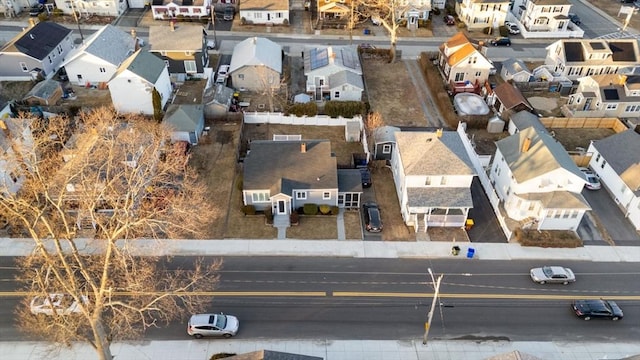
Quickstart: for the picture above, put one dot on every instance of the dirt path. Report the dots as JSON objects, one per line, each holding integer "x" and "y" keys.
{"x": 431, "y": 111}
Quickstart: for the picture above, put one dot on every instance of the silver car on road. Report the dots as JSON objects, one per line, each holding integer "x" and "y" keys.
{"x": 552, "y": 274}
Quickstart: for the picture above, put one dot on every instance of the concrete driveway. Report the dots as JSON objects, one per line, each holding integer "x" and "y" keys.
{"x": 612, "y": 222}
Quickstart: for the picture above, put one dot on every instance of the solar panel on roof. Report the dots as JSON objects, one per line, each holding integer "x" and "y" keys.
{"x": 318, "y": 58}
{"x": 348, "y": 59}
{"x": 611, "y": 94}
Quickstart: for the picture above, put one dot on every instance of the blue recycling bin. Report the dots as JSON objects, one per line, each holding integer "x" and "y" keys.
{"x": 367, "y": 31}
{"x": 470, "y": 253}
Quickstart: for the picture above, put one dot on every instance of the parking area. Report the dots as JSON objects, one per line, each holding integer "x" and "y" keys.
{"x": 614, "y": 226}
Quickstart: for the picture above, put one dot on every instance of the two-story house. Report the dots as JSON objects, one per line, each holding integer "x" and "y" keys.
{"x": 99, "y": 57}
{"x": 37, "y": 51}
{"x": 461, "y": 61}
{"x": 432, "y": 173}
{"x": 413, "y": 11}
{"x": 537, "y": 182}
{"x": 481, "y": 14}
{"x": 611, "y": 95}
{"x": 176, "y": 9}
{"x": 183, "y": 47}
{"x": 333, "y": 73}
{"x": 333, "y": 9}
{"x": 542, "y": 15}
{"x": 97, "y": 7}
{"x": 271, "y": 12}
{"x": 616, "y": 160}
{"x": 574, "y": 58}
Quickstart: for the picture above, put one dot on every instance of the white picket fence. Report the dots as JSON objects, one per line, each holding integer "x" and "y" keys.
{"x": 280, "y": 118}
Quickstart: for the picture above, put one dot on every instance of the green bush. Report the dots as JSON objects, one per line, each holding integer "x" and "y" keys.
{"x": 308, "y": 109}
{"x": 249, "y": 210}
{"x": 335, "y": 210}
{"x": 310, "y": 209}
{"x": 325, "y": 209}
{"x": 346, "y": 109}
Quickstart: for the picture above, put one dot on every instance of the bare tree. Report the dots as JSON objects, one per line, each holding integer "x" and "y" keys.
{"x": 275, "y": 89}
{"x": 372, "y": 122}
{"x": 387, "y": 11}
{"x": 120, "y": 178}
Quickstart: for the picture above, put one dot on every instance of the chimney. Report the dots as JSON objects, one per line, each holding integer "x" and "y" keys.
{"x": 32, "y": 22}
{"x": 526, "y": 144}
{"x": 439, "y": 133}
{"x": 622, "y": 80}
{"x": 303, "y": 148}
{"x": 173, "y": 25}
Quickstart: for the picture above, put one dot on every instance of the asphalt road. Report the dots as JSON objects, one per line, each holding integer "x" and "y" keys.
{"x": 377, "y": 299}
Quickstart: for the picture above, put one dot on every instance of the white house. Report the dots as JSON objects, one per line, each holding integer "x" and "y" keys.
{"x": 481, "y": 14}
{"x": 515, "y": 70}
{"x": 274, "y": 12}
{"x": 463, "y": 62}
{"x": 100, "y": 56}
{"x": 97, "y": 7}
{"x": 537, "y": 182}
{"x": 432, "y": 173}
{"x": 544, "y": 18}
{"x": 173, "y": 9}
{"x": 333, "y": 73}
{"x": 611, "y": 95}
{"x": 414, "y": 10}
{"x": 132, "y": 86}
{"x": 185, "y": 121}
{"x": 256, "y": 64}
{"x": 616, "y": 160}
{"x": 578, "y": 58}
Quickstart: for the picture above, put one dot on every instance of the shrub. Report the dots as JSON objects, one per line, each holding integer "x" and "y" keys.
{"x": 346, "y": 109}
{"x": 285, "y": 22}
{"x": 308, "y": 109}
{"x": 57, "y": 12}
{"x": 310, "y": 209}
{"x": 325, "y": 209}
{"x": 268, "y": 215}
{"x": 294, "y": 218}
{"x": 547, "y": 239}
{"x": 243, "y": 21}
{"x": 249, "y": 210}
{"x": 300, "y": 210}
{"x": 43, "y": 17}
{"x": 335, "y": 210}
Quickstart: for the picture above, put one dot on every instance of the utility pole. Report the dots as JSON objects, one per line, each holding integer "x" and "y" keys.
{"x": 213, "y": 24}
{"x": 427, "y": 325}
{"x": 75, "y": 16}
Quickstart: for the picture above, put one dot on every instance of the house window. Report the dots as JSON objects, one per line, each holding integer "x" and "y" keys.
{"x": 623, "y": 189}
{"x": 336, "y": 95}
{"x": 301, "y": 195}
{"x": 59, "y": 49}
{"x": 197, "y": 10}
{"x": 604, "y": 162}
{"x": 565, "y": 214}
{"x": 386, "y": 149}
{"x": 50, "y": 61}
{"x": 598, "y": 158}
{"x": 190, "y": 66}
{"x": 24, "y": 67}
{"x": 532, "y": 206}
{"x": 574, "y": 214}
{"x": 478, "y": 73}
{"x": 259, "y": 197}
{"x": 459, "y": 77}
{"x": 279, "y": 15}
{"x": 241, "y": 76}
{"x": 443, "y": 180}
{"x": 257, "y": 15}
{"x": 326, "y": 195}
{"x": 611, "y": 106}
{"x": 427, "y": 181}
{"x": 102, "y": 70}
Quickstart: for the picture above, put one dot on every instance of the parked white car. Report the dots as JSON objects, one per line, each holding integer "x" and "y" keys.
{"x": 60, "y": 304}
{"x": 221, "y": 76}
{"x": 591, "y": 178}
{"x": 201, "y": 325}
{"x": 552, "y": 274}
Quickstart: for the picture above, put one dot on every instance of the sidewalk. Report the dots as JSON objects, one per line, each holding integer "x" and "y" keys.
{"x": 329, "y": 350}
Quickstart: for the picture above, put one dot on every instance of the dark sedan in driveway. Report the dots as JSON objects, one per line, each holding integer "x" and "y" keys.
{"x": 597, "y": 309}
{"x": 372, "y": 219}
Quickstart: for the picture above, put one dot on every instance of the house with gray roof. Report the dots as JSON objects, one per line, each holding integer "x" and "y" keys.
{"x": 46, "y": 92}
{"x": 134, "y": 83}
{"x": 537, "y": 182}
{"x": 616, "y": 160}
{"x": 256, "y": 64}
{"x": 286, "y": 175}
{"x": 611, "y": 95}
{"x": 96, "y": 61}
{"x": 515, "y": 70}
{"x": 186, "y": 122}
{"x": 38, "y": 50}
{"x": 384, "y": 139}
{"x": 183, "y": 46}
{"x": 433, "y": 174}
{"x": 522, "y": 120}
{"x": 333, "y": 73}
{"x": 576, "y": 58}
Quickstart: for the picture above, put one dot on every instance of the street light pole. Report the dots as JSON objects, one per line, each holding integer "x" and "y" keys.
{"x": 427, "y": 325}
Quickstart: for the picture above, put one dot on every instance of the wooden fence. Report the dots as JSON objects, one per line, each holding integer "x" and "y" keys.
{"x": 584, "y": 123}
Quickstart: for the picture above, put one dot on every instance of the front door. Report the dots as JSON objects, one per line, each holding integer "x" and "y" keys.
{"x": 282, "y": 208}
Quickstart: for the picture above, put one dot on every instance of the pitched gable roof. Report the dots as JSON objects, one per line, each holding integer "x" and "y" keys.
{"x": 615, "y": 51}
{"x": 184, "y": 117}
{"x": 257, "y": 51}
{"x": 144, "y": 64}
{"x": 264, "y": 5}
{"x": 622, "y": 153}
{"x": 181, "y": 37}
{"x": 459, "y": 56}
{"x": 544, "y": 155}
{"x": 282, "y": 166}
{"x": 40, "y": 40}
{"x": 340, "y": 57}
{"x": 109, "y": 44}
{"x": 510, "y": 96}
{"x": 424, "y": 153}
{"x": 346, "y": 77}
{"x": 514, "y": 66}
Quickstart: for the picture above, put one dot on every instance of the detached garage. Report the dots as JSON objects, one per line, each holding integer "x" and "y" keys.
{"x": 186, "y": 122}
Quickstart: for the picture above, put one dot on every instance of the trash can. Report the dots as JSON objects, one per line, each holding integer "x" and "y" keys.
{"x": 468, "y": 224}
{"x": 455, "y": 250}
{"x": 366, "y": 31}
{"x": 470, "y": 253}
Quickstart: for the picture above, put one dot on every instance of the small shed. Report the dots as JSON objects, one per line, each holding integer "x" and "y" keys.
{"x": 217, "y": 100}
{"x": 507, "y": 97}
{"x": 352, "y": 131}
{"x": 495, "y": 125}
{"x": 515, "y": 70}
{"x": 45, "y": 93}
{"x": 185, "y": 121}
{"x": 384, "y": 140}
